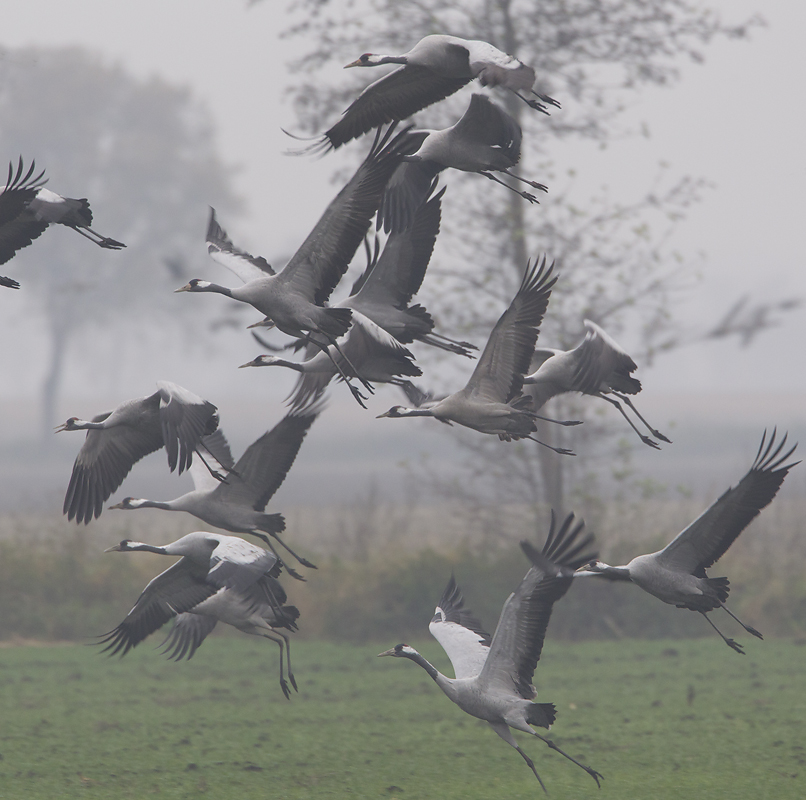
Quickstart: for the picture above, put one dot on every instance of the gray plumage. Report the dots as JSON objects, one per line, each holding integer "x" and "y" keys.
{"x": 436, "y": 67}
{"x": 493, "y": 675}
{"x": 172, "y": 417}
{"x": 484, "y": 141}
{"x": 597, "y": 366}
{"x": 238, "y": 504}
{"x": 492, "y": 402}
{"x": 385, "y": 289}
{"x": 677, "y": 574}
{"x": 293, "y": 298}
{"x": 27, "y": 208}
{"x": 365, "y": 349}
{"x": 217, "y": 579}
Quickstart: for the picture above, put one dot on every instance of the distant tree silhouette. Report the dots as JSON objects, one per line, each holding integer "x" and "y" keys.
{"x": 142, "y": 152}
{"x": 614, "y": 260}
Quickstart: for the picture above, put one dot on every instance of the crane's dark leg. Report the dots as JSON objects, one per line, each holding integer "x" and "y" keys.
{"x": 453, "y": 341}
{"x": 502, "y": 729}
{"x": 367, "y": 385}
{"x": 525, "y": 195}
{"x": 283, "y": 683}
{"x": 597, "y": 776}
{"x": 532, "y": 767}
{"x": 535, "y": 104}
{"x": 655, "y": 433}
{"x": 288, "y": 659}
{"x": 534, "y": 184}
{"x": 565, "y": 422}
{"x": 101, "y": 241}
{"x": 215, "y": 473}
{"x": 729, "y": 642}
{"x": 303, "y": 561}
{"x": 356, "y": 392}
{"x": 561, "y": 450}
{"x": 746, "y": 627}
{"x": 641, "y": 436}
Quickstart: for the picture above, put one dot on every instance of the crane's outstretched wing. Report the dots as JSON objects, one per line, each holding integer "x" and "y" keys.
{"x": 487, "y": 123}
{"x": 407, "y": 190}
{"x": 396, "y": 96}
{"x": 397, "y": 274}
{"x": 185, "y": 418}
{"x": 518, "y": 639}
{"x": 460, "y": 633}
{"x": 322, "y": 259}
{"x": 17, "y": 227}
{"x": 498, "y": 376}
{"x": 188, "y": 632}
{"x": 172, "y": 592}
{"x": 261, "y": 470}
{"x": 105, "y": 459}
{"x": 221, "y": 249}
{"x": 706, "y": 539}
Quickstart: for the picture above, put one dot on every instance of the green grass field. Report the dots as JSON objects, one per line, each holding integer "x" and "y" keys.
{"x": 670, "y": 719}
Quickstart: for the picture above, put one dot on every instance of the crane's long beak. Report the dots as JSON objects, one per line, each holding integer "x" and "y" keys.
{"x": 117, "y": 505}
{"x": 356, "y": 63}
{"x": 387, "y": 653}
{"x": 264, "y": 323}
{"x": 185, "y": 288}
{"x": 116, "y": 549}
{"x": 253, "y": 363}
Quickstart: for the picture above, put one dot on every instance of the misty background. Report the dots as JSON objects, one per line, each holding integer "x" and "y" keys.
{"x": 735, "y": 121}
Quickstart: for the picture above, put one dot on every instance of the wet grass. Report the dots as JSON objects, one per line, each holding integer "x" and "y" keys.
{"x": 666, "y": 719}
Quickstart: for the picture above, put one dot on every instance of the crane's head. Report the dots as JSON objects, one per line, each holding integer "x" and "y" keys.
{"x": 70, "y": 425}
{"x": 263, "y": 361}
{"x": 594, "y": 567}
{"x": 264, "y": 323}
{"x": 400, "y": 651}
{"x": 196, "y": 285}
{"x": 126, "y": 502}
{"x": 364, "y": 60}
{"x": 120, "y": 548}
{"x": 394, "y": 411}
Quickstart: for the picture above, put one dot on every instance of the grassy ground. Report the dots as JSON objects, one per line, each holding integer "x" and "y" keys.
{"x": 658, "y": 719}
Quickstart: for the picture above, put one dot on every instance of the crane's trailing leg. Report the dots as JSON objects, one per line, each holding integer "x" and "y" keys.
{"x": 532, "y": 767}
{"x": 597, "y": 776}
{"x": 525, "y": 195}
{"x": 356, "y": 392}
{"x": 641, "y": 436}
{"x": 565, "y": 422}
{"x": 729, "y": 642}
{"x": 537, "y": 105}
{"x": 534, "y": 184}
{"x": 101, "y": 241}
{"x": 215, "y": 473}
{"x": 303, "y": 561}
{"x": 656, "y": 434}
{"x": 746, "y": 627}
{"x": 561, "y": 450}
{"x": 283, "y": 682}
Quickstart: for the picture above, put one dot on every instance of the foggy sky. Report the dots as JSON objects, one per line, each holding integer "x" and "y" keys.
{"x": 737, "y": 121}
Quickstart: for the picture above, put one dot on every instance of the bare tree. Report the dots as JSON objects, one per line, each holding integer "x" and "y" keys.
{"x": 142, "y": 152}
{"x": 615, "y": 263}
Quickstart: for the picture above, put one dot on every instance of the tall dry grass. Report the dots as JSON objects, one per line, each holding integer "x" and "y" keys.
{"x": 382, "y": 568}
